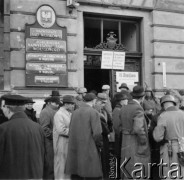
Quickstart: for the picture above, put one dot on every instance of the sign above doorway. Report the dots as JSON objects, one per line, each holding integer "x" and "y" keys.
{"x": 113, "y": 60}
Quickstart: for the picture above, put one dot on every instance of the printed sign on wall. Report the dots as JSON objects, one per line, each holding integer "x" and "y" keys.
{"x": 46, "y": 51}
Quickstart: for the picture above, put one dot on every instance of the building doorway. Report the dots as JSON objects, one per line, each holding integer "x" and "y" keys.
{"x": 105, "y": 33}
{"x": 95, "y": 78}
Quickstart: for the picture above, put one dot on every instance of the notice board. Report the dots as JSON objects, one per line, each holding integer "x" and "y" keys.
{"x": 46, "y": 51}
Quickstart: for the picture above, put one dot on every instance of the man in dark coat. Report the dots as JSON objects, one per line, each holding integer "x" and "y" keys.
{"x": 30, "y": 112}
{"x": 46, "y": 122}
{"x": 135, "y": 144}
{"x": 83, "y": 159}
{"x": 21, "y": 142}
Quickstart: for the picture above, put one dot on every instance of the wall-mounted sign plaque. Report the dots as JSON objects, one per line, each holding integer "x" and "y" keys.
{"x": 50, "y": 33}
{"x": 38, "y": 45}
{"x": 40, "y": 57}
{"x": 45, "y": 68}
{"x": 46, "y": 50}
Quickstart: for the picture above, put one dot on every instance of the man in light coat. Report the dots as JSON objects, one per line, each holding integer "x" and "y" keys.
{"x": 85, "y": 139}
{"x": 170, "y": 128}
{"x": 60, "y": 136}
{"x": 46, "y": 122}
{"x": 135, "y": 145}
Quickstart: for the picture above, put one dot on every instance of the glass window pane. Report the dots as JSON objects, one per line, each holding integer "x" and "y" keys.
{"x": 92, "y": 32}
{"x": 110, "y": 26}
{"x": 129, "y": 36}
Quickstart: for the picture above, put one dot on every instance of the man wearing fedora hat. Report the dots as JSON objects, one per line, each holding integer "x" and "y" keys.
{"x": 124, "y": 87}
{"x": 120, "y": 100}
{"x": 83, "y": 161}
{"x": 133, "y": 126}
{"x": 60, "y": 136}
{"x": 46, "y": 122}
{"x": 31, "y": 113}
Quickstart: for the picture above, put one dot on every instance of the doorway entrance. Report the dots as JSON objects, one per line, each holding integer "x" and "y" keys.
{"x": 95, "y": 78}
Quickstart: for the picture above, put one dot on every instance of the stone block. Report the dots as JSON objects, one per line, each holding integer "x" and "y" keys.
{"x": 172, "y": 65}
{"x": 168, "y": 18}
{"x": 168, "y": 49}
{"x": 31, "y": 6}
{"x": 71, "y": 24}
{"x": 17, "y": 40}
{"x": 18, "y": 21}
{"x": 170, "y": 34}
{"x": 17, "y": 59}
{"x": 17, "y": 78}
{"x": 173, "y": 81}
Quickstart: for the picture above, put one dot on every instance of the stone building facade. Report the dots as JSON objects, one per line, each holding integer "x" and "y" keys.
{"x": 150, "y": 32}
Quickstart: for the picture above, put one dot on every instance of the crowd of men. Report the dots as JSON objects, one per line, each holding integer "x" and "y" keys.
{"x": 72, "y": 137}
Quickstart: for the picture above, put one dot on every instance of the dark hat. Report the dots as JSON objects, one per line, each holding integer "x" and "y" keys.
{"x": 102, "y": 97}
{"x": 14, "y": 99}
{"x": 121, "y": 96}
{"x": 89, "y": 97}
{"x": 138, "y": 91}
{"x": 68, "y": 99}
{"x": 55, "y": 99}
{"x": 29, "y": 101}
{"x": 124, "y": 85}
{"x": 55, "y": 93}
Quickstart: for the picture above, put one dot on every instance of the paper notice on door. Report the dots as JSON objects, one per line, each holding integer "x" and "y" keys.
{"x": 130, "y": 78}
{"x": 107, "y": 60}
{"x": 119, "y": 60}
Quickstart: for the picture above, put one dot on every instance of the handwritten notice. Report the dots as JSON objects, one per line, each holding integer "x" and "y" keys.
{"x": 107, "y": 58}
{"x": 119, "y": 60}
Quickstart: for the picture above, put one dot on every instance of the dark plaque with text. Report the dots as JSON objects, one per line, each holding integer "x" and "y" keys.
{"x": 46, "y": 51}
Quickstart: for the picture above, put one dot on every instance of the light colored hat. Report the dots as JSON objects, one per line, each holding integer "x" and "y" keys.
{"x": 81, "y": 90}
{"x": 105, "y": 87}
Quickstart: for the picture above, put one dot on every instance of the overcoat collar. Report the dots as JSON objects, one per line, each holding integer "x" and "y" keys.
{"x": 134, "y": 102}
{"x": 172, "y": 108}
{"x": 19, "y": 114}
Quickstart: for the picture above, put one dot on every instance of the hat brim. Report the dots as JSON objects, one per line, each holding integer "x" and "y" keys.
{"x": 124, "y": 87}
{"x": 30, "y": 102}
{"x": 69, "y": 102}
{"x": 137, "y": 94}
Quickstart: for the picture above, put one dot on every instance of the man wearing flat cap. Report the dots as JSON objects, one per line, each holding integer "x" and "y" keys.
{"x": 60, "y": 136}
{"x": 46, "y": 122}
{"x": 21, "y": 142}
{"x": 83, "y": 159}
{"x": 133, "y": 126}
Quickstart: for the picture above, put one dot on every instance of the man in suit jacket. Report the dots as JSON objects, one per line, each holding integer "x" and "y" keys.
{"x": 135, "y": 146}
